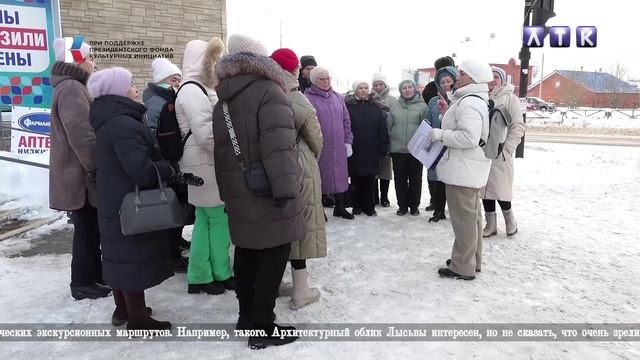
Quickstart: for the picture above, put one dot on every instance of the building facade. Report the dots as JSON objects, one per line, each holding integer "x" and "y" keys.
{"x": 586, "y": 89}
{"x": 131, "y": 33}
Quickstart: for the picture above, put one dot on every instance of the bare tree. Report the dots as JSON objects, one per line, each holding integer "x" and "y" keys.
{"x": 612, "y": 85}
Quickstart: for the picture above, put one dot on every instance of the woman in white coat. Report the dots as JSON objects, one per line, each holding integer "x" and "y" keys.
{"x": 209, "y": 268}
{"x": 500, "y": 183}
{"x": 464, "y": 168}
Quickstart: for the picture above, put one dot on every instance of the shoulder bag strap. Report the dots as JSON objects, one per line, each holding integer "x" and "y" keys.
{"x": 232, "y": 135}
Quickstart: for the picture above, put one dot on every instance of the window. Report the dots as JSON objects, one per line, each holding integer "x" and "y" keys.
{"x": 510, "y": 79}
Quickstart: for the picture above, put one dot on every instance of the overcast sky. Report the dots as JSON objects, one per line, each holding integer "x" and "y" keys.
{"x": 355, "y": 38}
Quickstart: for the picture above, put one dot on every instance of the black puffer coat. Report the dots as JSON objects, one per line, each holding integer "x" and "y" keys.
{"x": 254, "y": 89}
{"x": 124, "y": 158}
{"x": 370, "y": 137}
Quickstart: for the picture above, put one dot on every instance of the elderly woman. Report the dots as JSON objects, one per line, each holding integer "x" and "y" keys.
{"x": 251, "y": 92}
{"x": 166, "y": 79}
{"x": 464, "y": 168}
{"x": 380, "y": 93}
{"x": 405, "y": 117}
{"x": 336, "y": 132}
{"x": 370, "y": 145}
{"x": 125, "y": 158}
{"x": 445, "y": 80}
{"x": 500, "y": 184}
{"x": 309, "y": 141}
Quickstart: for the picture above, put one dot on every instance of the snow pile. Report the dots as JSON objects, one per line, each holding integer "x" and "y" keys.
{"x": 25, "y": 186}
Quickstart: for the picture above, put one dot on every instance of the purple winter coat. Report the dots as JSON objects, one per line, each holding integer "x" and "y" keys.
{"x": 336, "y": 131}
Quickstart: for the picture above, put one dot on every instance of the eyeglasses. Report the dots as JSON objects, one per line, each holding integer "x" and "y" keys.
{"x": 324, "y": 79}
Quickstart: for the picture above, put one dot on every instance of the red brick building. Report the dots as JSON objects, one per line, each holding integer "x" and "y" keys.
{"x": 588, "y": 89}
{"x": 512, "y": 68}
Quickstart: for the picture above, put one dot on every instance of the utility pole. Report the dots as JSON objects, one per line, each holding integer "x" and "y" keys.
{"x": 541, "y": 77}
{"x": 536, "y": 12}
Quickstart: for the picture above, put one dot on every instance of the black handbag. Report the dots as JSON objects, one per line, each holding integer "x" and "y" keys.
{"x": 255, "y": 175}
{"x": 150, "y": 210}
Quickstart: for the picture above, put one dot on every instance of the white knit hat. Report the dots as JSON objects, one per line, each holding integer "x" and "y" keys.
{"x": 379, "y": 77}
{"x": 242, "y": 43}
{"x": 316, "y": 72}
{"x": 357, "y": 83}
{"x": 479, "y": 71}
{"x": 163, "y": 68}
{"x": 62, "y": 49}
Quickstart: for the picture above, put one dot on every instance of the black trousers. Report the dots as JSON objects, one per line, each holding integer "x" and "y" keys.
{"x": 175, "y": 237}
{"x": 407, "y": 176}
{"x": 86, "y": 257}
{"x": 364, "y": 192}
{"x": 438, "y": 195}
{"x": 258, "y": 274}
{"x": 490, "y": 205}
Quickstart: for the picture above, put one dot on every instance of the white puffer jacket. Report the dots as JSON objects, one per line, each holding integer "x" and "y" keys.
{"x": 464, "y": 124}
{"x": 194, "y": 111}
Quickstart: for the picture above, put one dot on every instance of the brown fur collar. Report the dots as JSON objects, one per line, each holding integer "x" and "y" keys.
{"x": 244, "y": 63}
{"x": 62, "y": 70}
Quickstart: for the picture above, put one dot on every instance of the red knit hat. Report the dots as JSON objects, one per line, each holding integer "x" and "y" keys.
{"x": 286, "y": 58}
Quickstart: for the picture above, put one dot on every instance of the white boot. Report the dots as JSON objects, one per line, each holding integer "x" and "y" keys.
{"x": 492, "y": 226}
{"x": 285, "y": 289}
{"x": 510, "y": 222}
{"x": 302, "y": 294}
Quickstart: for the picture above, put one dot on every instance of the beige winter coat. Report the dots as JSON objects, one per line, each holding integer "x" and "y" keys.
{"x": 194, "y": 111}
{"x": 309, "y": 140}
{"x": 500, "y": 183}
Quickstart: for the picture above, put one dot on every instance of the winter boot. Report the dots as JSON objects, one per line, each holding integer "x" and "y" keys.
{"x": 339, "y": 210}
{"x": 302, "y": 294}
{"x": 491, "y": 228}
{"x": 138, "y": 317}
{"x": 510, "y": 222}
{"x": 120, "y": 315}
{"x": 269, "y": 339}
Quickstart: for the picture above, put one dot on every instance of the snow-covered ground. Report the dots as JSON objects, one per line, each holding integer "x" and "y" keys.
{"x": 574, "y": 260}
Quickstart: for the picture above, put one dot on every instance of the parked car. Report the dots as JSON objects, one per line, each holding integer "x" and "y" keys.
{"x": 540, "y": 104}
{"x": 524, "y": 104}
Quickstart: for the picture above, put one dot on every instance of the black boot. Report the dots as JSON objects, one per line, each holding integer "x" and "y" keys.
{"x": 212, "y": 288}
{"x": 384, "y": 193}
{"x": 446, "y": 272}
{"x": 448, "y": 262}
{"x": 339, "y": 209}
{"x": 271, "y": 339}
{"x": 437, "y": 216}
{"x": 93, "y": 291}
{"x": 229, "y": 284}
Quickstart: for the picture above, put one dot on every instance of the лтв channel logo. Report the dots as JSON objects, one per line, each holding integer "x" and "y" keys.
{"x": 559, "y": 36}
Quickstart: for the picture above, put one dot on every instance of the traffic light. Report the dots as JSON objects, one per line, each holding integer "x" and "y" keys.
{"x": 542, "y": 11}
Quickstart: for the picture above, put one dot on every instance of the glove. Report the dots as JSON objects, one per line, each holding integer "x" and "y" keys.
{"x": 280, "y": 202}
{"x": 349, "y": 150}
{"x": 435, "y": 135}
{"x": 188, "y": 179}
